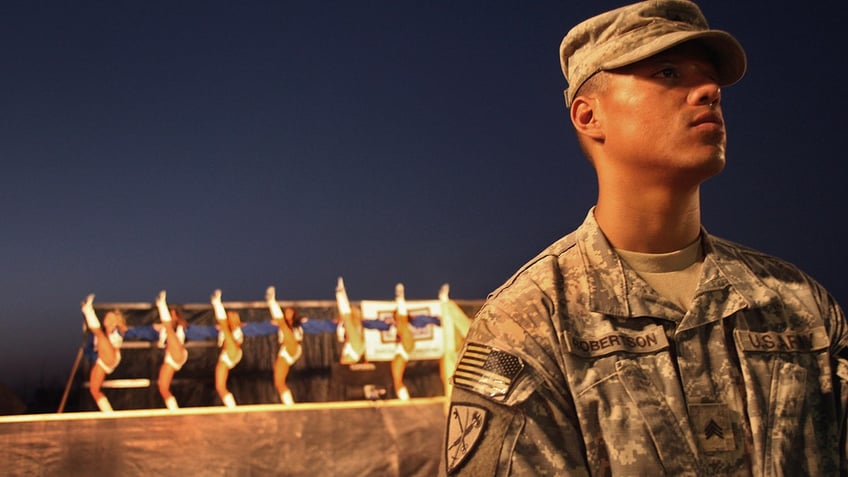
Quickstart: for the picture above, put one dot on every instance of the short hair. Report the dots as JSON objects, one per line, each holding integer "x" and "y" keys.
{"x": 595, "y": 84}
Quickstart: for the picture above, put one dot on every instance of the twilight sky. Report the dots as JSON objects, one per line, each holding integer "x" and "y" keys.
{"x": 196, "y": 145}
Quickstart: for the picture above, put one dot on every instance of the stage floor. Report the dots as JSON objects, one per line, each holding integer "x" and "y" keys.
{"x": 349, "y": 438}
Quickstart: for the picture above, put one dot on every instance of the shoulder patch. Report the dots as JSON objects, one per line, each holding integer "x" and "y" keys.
{"x": 465, "y": 426}
{"x": 487, "y": 371}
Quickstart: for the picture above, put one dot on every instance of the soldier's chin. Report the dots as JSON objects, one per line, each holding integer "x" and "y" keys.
{"x": 714, "y": 166}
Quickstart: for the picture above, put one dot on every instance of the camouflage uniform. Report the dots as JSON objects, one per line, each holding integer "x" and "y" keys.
{"x": 576, "y": 366}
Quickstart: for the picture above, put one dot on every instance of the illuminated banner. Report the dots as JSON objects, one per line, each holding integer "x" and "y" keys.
{"x": 381, "y": 341}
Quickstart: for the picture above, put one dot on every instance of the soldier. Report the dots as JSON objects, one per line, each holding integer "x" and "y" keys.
{"x": 640, "y": 344}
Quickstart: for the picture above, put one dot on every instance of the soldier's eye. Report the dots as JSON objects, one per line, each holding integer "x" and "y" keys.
{"x": 668, "y": 72}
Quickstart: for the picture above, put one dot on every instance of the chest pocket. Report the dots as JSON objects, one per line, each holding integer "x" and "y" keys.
{"x": 631, "y": 417}
{"x": 788, "y": 388}
{"x": 670, "y": 439}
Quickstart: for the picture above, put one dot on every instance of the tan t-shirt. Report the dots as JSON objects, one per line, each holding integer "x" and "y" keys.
{"x": 674, "y": 275}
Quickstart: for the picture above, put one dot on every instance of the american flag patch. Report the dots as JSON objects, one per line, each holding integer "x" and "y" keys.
{"x": 486, "y": 370}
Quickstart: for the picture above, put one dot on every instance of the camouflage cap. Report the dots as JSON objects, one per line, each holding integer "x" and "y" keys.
{"x": 632, "y": 33}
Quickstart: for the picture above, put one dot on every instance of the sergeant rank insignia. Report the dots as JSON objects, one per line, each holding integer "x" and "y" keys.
{"x": 465, "y": 426}
{"x": 713, "y": 426}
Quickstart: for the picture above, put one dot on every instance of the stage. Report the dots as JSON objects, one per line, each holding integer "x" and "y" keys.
{"x": 350, "y": 438}
{"x": 345, "y": 422}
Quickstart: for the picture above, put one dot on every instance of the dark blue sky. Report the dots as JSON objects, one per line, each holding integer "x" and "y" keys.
{"x": 196, "y": 145}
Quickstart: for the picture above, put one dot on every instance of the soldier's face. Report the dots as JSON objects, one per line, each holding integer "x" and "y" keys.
{"x": 662, "y": 115}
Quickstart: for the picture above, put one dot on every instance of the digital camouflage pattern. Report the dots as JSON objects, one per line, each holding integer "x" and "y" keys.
{"x": 634, "y": 32}
{"x": 617, "y": 380}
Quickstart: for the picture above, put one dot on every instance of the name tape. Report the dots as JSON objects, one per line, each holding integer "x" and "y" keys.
{"x": 649, "y": 340}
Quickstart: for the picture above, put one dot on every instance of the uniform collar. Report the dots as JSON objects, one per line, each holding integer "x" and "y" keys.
{"x": 616, "y": 289}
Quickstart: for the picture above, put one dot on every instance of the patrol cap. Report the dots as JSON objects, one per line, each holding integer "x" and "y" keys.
{"x": 632, "y": 33}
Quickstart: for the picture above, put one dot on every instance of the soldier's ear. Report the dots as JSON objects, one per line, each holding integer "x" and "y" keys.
{"x": 586, "y": 118}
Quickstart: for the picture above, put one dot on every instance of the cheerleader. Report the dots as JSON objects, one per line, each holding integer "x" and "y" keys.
{"x": 172, "y": 338}
{"x": 350, "y": 322}
{"x": 290, "y": 337}
{"x": 230, "y": 339}
{"x": 405, "y": 343}
{"x": 108, "y": 339}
